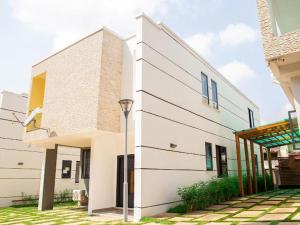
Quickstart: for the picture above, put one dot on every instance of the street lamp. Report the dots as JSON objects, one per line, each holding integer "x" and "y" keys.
{"x": 126, "y": 105}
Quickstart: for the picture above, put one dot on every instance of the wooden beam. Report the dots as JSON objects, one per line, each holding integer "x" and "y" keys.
{"x": 270, "y": 165}
{"x": 239, "y": 165}
{"x": 249, "y": 180}
{"x": 262, "y": 162}
{"x": 253, "y": 163}
{"x": 262, "y": 128}
{"x": 266, "y": 133}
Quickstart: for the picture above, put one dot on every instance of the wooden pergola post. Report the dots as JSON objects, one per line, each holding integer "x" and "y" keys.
{"x": 249, "y": 180}
{"x": 270, "y": 165}
{"x": 253, "y": 163}
{"x": 262, "y": 162}
{"x": 239, "y": 164}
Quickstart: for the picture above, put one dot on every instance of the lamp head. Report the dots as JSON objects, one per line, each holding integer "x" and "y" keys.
{"x": 126, "y": 105}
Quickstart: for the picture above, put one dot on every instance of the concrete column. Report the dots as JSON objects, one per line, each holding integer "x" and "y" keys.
{"x": 47, "y": 183}
{"x": 295, "y": 86}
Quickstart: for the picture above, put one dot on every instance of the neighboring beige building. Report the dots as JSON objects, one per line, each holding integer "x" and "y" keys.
{"x": 180, "y": 127}
{"x": 20, "y": 163}
{"x": 280, "y": 28}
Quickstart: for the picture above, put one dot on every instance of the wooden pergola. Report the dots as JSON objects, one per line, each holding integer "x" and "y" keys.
{"x": 266, "y": 136}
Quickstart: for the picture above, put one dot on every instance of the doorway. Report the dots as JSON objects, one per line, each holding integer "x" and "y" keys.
{"x": 120, "y": 180}
{"x": 221, "y": 155}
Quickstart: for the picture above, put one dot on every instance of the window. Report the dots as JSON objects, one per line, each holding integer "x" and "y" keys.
{"x": 77, "y": 171}
{"x": 251, "y": 118}
{"x": 66, "y": 169}
{"x": 204, "y": 81}
{"x": 221, "y": 155}
{"x": 209, "y": 158}
{"x": 214, "y": 90}
{"x": 85, "y": 163}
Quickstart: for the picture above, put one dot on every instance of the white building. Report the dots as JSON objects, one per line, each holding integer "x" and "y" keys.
{"x": 280, "y": 29}
{"x": 20, "y": 163}
{"x": 180, "y": 129}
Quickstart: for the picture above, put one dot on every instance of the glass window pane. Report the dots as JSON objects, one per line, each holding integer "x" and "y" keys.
{"x": 85, "y": 166}
{"x": 251, "y": 118}
{"x": 214, "y": 90}
{"x": 204, "y": 80}
{"x": 209, "y": 161}
{"x": 66, "y": 169}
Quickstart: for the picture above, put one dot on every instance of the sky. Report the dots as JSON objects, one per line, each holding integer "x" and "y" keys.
{"x": 226, "y": 33}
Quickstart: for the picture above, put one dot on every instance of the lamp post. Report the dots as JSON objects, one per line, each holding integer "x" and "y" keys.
{"x": 126, "y": 105}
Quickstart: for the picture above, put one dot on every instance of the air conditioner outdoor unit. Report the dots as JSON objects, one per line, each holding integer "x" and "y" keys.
{"x": 80, "y": 197}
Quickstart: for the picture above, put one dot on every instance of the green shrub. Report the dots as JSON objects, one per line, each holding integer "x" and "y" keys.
{"x": 181, "y": 208}
{"x": 204, "y": 194}
{"x": 64, "y": 195}
{"x": 29, "y": 199}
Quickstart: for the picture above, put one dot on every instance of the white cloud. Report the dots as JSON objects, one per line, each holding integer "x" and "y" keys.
{"x": 202, "y": 43}
{"x": 235, "y": 34}
{"x": 68, "y": 20}
{"x": 237, "y": 71}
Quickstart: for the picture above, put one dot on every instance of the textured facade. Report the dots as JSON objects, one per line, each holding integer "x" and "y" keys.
{"x": 275, "y": 46}
{"x": 282, "y": 51}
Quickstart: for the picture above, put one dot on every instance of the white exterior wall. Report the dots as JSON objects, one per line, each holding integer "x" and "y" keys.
{"x": 295, "y": 86}
{"x": 169, "y": 109}
{"x": 105, "y": 148}
{"x": 17, "y": 179}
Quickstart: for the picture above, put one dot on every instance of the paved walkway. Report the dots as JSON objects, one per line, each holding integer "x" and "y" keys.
{"x": 280, "y": 207}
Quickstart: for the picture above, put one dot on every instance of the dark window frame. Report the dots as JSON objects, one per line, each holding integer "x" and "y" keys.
{"x": 222, "y": 166}
{"x": 205, "y": 87}
{"x": 65, "y": 164}
{"x": 77, "y": 172}
{"x": 214, "y": 91}
{"x": 85, "y": 163}
{"x": 251, "y": 118}
{"x": 209, "y": 157}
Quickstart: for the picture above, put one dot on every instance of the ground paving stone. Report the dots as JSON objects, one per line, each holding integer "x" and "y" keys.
{"x": 294, "y": 200}
{"x": 197, "y": 213}
{"x": 218, "y": 223}
{"x": 296, "y": 217}
{"x": 248, "y": 214}
{"x": 254, "y": 223}
{"x": 185, "y": 223}
{"x": 288, "y": 223}
{"x": 240, "y": 198}
{"x": 261, "y": 207}
{"x": 255, "y": 200}
{"x": 283, "y": 210}
{"x": 268, "y": 202}
{"x": 179, "y": 219}
{"x": 230, "y": 202}
{"x": 211, "y": 217}
{"x": 231, "y": 210}
{"x": 244, "y": 205}
{"x": 237, "y": 219}
{"x": 271, "y": 217}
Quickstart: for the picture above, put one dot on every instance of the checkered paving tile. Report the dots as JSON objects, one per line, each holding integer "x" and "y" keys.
{"x": 280, "y": 207}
